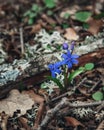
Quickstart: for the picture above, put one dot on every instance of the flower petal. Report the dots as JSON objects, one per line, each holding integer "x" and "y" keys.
{"x": 69, "y": 65}
{"x": 68, "y": 54}
{"x": 53, "y": 74}
{"x": 64, "y": 56}
{"x": 74, "y": 61}
{"x": 74, "y": 56}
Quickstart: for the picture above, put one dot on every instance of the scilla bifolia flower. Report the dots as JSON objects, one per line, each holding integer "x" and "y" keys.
{"x": 61, "y": 67}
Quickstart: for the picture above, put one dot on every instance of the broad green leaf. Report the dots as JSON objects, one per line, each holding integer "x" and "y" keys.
{"x": 57, "y": 81}
{"x": 89, "y": 66}
{"x": 65, "y": 25}
{"x": 86, "y": 25}
{"x": 27, "y": 13}
{"x": 82, "y": 16}
{"x": 32, "y": 15}
{"x": 50, "y": 3}
{"x": 35, "y": 7}
{"x": 98, "y": 96}
{"x": 76, "y": 73}
{"x": 49, "y": 13}
{"x": 30, "y": 21}
{"x": 66, "y": 15}
{"x": 99, "y": 16}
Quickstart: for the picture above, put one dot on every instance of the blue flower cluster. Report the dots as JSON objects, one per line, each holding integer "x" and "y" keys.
{"x": 68, "y": 59}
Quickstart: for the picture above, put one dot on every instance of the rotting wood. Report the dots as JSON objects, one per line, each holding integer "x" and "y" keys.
{"x": 41, "y": 76}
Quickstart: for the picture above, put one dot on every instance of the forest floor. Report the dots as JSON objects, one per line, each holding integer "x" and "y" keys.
{"x": 30, "y": 29}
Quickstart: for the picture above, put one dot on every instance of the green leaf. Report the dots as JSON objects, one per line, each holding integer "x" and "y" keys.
{"x": 27, "y": 13}
{"x": 66, "y": 15}
{"x": 82, "y": 16}
{"x": 49, "y": 13}
{"x": 50, "y": 3}
{"x": 98, "y": 96}
{"x": 57, "y": 81}
{"x": 99, "y": 16}
{"x": 86, "y": 25}
{"x": 32, "y": 15}
{"x": 35, "y": 7}
{"x": 30, "y": 21}
{"x": 43, "y": 86}
{"x": 76, "y": 73}
{"x": 65, "y": 25}
{"x": 89, "y": 66}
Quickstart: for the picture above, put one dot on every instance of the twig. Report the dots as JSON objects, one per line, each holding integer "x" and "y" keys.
{"x": 64, "y": 103}
{"x": 4, "y": 121}
{"x": 94, "y": 86}
{"x": 68, "y": 93}
{"x": 101, "y": 126}
{"x": 22, "y": 41}
{"x": 51, "y": 113}
{"x": 39, "y": 115}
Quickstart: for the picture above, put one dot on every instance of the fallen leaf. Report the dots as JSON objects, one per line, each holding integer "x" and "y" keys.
{"x": 35, "y": 29}
{"x": 37, "y": 98}
{"x": 95, "y": 25}
{"x": 71, "y": 34}
{"x": 73, "y": 122}
{"x": 48, "y": 19}
{"x": 15, "y": 101}
{"x": 24, "y": 122}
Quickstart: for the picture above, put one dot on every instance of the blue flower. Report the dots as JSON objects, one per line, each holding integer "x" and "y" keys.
{"x": 65, "y": 46}
{"x": 72, "y": 46}
{"x": 55, "y": 68}
{"x": 70, "y": 59}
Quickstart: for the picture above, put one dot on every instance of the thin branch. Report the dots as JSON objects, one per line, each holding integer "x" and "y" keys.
{"x": 64, "y": 103}
{"x": 22, "y": 41}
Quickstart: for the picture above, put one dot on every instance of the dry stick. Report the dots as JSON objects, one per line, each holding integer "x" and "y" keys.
{"x": 64, "y": 103}
{"x": 94, "y": 86}
{"x": 51, "y": 113}
{"x": 22, "y": 41}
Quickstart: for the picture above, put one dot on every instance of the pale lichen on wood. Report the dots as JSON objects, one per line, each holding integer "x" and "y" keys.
{"x": 47, "y": 50}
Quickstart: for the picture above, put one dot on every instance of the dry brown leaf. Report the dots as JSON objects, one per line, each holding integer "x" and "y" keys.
{"x": 24, "y": 122}
{"x": 37, "y": 98}
{"x": 84, "y": 91}
{"x": 36, "y": 28}
{"x": 71, "y": 34}
{"x": 48, "y": 19}
{"x": 73, "y": 9}
{"x": 16, "y": 101}
{"x": 95, "y": 25}
{"x": 73, "y": 122}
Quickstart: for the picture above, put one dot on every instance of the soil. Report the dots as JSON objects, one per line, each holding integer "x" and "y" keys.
{"x": 76, "y": 108}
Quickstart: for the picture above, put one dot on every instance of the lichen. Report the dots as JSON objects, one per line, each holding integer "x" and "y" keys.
{"x": 3, "y": 54}
{"x": 82, "y": 113}
{"x": 99, "y": 116}
{"x": 10, "y": 72}
{"x": 47, "y": 46}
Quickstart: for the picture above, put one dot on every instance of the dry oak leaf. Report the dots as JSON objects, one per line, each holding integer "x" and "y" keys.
{"x": 73, "y": 122}
{"x": 16, "y": 101}
{"x": 71, "y": 34}
{"x": 95, "y": 25}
